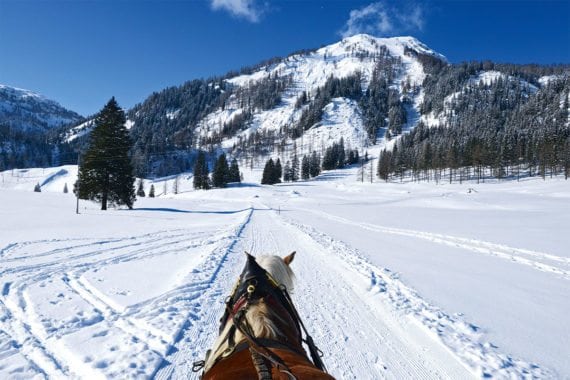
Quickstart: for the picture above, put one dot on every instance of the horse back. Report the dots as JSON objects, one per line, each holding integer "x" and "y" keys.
{"x": 239, "y": 366}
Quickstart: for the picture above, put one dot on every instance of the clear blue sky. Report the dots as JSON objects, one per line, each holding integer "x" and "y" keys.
{"x": 82, "y": 52}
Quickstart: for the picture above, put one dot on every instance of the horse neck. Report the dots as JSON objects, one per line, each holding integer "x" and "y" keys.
{"x": 266, "y": 322}
{"x": 273, "y": 321}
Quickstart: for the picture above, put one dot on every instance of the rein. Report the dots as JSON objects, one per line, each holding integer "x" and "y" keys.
{"x": 256, "y": 284}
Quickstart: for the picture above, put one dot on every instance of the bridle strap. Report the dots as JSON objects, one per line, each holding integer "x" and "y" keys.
{"x": 316, "y": 354}
{"x": 263, "y": 371}
{"x": 262, "y": 357}
{"x": 243, "y": 326}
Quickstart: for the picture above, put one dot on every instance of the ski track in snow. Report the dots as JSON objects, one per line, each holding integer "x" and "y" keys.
{"x": 367, "y": 322}
{"x": 64, "y": 261}
{"x": 556, "y": 264}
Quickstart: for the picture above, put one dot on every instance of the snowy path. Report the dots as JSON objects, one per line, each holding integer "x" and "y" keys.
{"x": 369, "y": 324}
{"x": 361, "y": 338}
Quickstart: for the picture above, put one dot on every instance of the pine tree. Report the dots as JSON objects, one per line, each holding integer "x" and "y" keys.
{"x": 38, "y": 188}
{"x": 305, "y": 168}
{"x": 65, "y": 190}
{"x": 106, "y": 172}
{"x": 140, "y": 189}
{"x": 295, "y": 169}
{"x": 314, "y": 165}
{"x": 151, "y": 191}
{"x": 267, "y": 177}
{"x": 235, "y": 175}
{"x": 278, "y": 172}
{"x": 201, "y": 179}
{"x": 287, "y": 175}
{"x": 341, "y": 159}
{"x": 221, "y": 173}
{"x": 176, "y": 185}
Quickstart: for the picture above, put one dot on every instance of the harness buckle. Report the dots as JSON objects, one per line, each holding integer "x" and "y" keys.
{"x": 198, "y": 365}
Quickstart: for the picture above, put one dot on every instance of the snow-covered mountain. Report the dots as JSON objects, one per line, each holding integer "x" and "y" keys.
{"x": 28, "y": 111}
{"x": 367, "y": 90}
{"x": 29, "y": 128}
{"x": 271, "y": 100}
{"x": 310, "y": 72}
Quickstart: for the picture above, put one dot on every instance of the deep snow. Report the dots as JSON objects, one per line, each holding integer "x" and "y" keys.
{"x": 396, "y": 280}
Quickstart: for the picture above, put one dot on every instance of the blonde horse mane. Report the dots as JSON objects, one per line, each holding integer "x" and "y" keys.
{"x": 259, "y": 316}
{"x": 279, "y": 270}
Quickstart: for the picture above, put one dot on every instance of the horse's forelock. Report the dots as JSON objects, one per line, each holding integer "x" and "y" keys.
{"x": 280, "y": 271}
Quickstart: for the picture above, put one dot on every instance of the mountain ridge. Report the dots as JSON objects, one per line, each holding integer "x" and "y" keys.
{"x": 381, "y": 88}
{"x": 28, "y": 110}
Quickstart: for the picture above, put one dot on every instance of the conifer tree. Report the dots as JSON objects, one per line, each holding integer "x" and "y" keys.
{"x": 65, "y": 190}
{"x": 341, "y": 154}
{"x": 151, "y": 191}
{"x": 295, "y": 169}
{"x": 106, "y": 172}
{"x": 314, "y": 165}
{"x": 235, "y": 175}
{"x": 305, "y": 168}
{"x": 140, "y": 189}
{"x": 278, "y": 172}
{"x": 221, "y": 173}
{"x": 268, "y": 176}
{"x": 176, "y": 185}
{"x": 287, "y": 172}
{"x": 37, "y": 188}
{"x": 201, "y": 179}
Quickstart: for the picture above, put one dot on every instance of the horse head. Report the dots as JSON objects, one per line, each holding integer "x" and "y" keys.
{"x": 260, "y": 316}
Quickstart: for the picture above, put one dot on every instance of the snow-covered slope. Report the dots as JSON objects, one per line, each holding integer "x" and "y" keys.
{"x": 25, "y": 110}
{"x": 310, "y": 71}
{"x": 480, "y": 81}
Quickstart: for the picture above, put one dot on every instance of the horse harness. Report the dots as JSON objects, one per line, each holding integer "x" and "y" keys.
{"x": 256, "y": 284}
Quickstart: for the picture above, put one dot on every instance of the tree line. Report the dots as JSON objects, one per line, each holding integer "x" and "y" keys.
{"x": 222, "y": 174}
{"x": 499, "y": 130}
{"x": 310, "y": 166}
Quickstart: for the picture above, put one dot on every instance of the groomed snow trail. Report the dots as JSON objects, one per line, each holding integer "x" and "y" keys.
{"x": 361, "y": 337}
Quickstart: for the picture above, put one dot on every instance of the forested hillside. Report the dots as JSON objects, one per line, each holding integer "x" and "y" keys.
{"x": 476, "y": 118}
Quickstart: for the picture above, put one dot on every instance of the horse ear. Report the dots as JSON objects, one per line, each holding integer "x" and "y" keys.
{"x": 289, "y": 258}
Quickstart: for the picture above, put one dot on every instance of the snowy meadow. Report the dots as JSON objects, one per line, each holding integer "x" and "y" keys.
{"x": 394, "y": 280}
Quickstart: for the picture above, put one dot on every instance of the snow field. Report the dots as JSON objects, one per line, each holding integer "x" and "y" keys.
{"x": 393, "y": 280}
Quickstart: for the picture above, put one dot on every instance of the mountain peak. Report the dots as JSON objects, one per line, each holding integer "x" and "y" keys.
{"x": 396, "y": 45}
{"x": 27, "y": 110}
{"x": 20, "y": 92}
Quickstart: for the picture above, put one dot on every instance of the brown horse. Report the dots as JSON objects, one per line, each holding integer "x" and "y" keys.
{"x": 261, "y": 332}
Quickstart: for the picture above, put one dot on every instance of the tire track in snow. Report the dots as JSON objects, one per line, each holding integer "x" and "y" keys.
{"x": 461, "y": 338}
{"x": 115, "y": 317}
{"x": 516, "y": 255}
{"x": 22, "y": 244}
{"x": 359, "y": 342}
